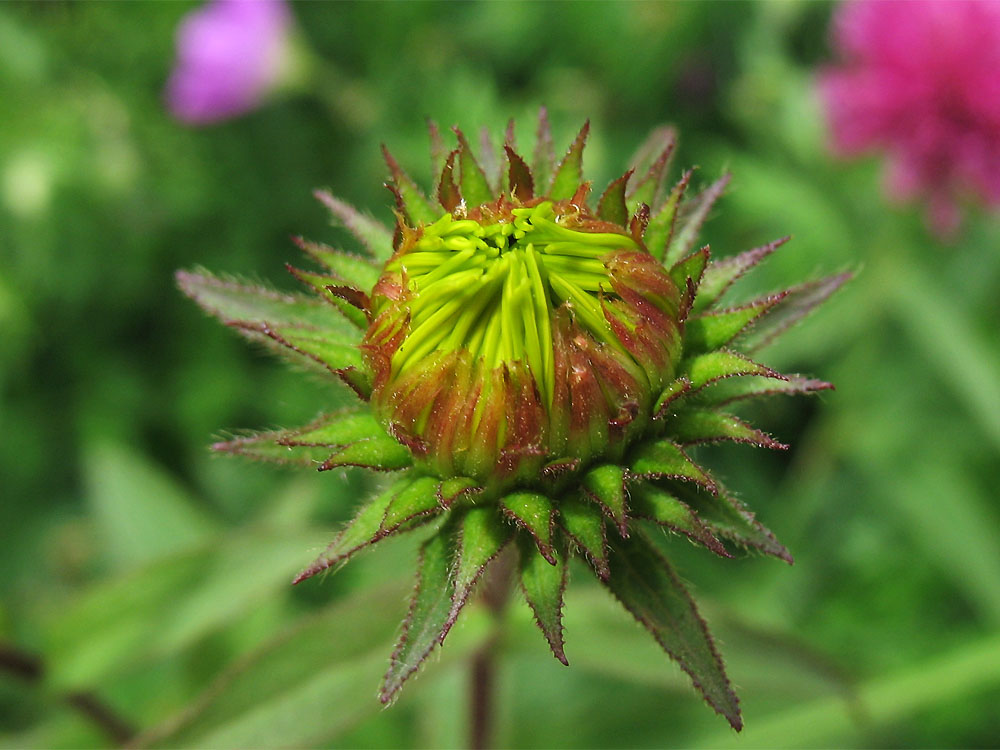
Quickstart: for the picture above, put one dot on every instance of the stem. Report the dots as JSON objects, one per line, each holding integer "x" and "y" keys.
{"x": 494, "y": 593}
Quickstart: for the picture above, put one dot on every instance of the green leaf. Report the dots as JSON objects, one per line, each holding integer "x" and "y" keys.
{"x": 430, "y": 606}
{"x": 722, "y": 392}
{"x": 416, "y": 205}
{"x": 584, "y": 524}
{"x": 418, "y": 499}
{"x": 569, "y": 173}
{"x": 535, "y": 514}
{"x": 708, "y": 426}
{"x": 691, "y": 219}
{"x": 352, "y": 269}
{"x": 543, "y": 583}
{"x": 661, "y": 224}
{"x": 665, "y": 459}
{"x": 720, "y": 275}
{"x": 371, "y": 233}
{"x": 322, "y": 284}
{"x": 656, "y": 504}
{"x": 379, "y": 454}
{"x": 606, "y": 485}
{"x": 796, "y": 303}
{"x": 703, "y": 369}
{"x": 474, "y": 186}
{"x": 674, "y": 390}
{"x": 482, "y": 534}
{"x": 727, "y": 518}
{"x": 336, "y": 429}
{"x": 611, "y": 206}
{"x": 544, "y": 160}
{"x": 710, "y": 331}
{"x": 644, "y": 582}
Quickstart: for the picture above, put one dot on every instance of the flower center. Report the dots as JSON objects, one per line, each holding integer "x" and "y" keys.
{"x": 490, "y": 289}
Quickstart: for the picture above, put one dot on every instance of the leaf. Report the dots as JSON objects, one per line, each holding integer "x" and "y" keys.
{"x": 379, "y": 454}
{"x": 727, "y": 518}
{"x": 606, "y": 485}
{"x": 535, "y": 514}
{"x": 417, "y": 207}
{"x": 544, "y": 157}
{"x": 418, "y": 499}
{"x": 543, "y": 583}
{"x": 703, "y": 369}
{"x": 657, "y": 505}
{"x": 482, "y": 534}
{"x": 611, "y": 206}
{"x": 720, "y": 275}
{"x": 426, "y": 621}
{"x": 707, "y": 426}
{"x": 644, "y": 582}
{"x": 584, "y": 524}
{"x": 665, "y": 459}
{"x": 371, "y": 233}
{"x": 348, "y": 267}
{"x": 569, "y": 174}
{"x": 796, "y": 303}
{"x": 661, "y": 225}
{"x": 474, "y": 186}
{"x": 712, "y": 330}
{"x": 691, "y": 220}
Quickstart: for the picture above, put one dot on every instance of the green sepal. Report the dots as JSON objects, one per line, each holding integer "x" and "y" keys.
{"x": 425, "y": 622}
{"x": 378, "y": 454}
{"x": 665, "y": 459}
{"x": 482, "y": 534}
{"x": 691, "y": 220}
{"x": 661, "y": 225}
{"x": 336, "y": 429}
{"x": 720, "y": 275}
{"x": 569, "y": 173}
{"x": 544, "y": 160}
{"x": 416, "y": 205}
{"x": 543, "y": 583}
{"x": 371, "y": 233}
{"x": 728, "y": 519}
{"x": 364, "y": 529}
{"x": 264, "y": 446}
{"x": 416, "y": 500}
{"x": 649, "y": 187}
{"x": 691, "y": 267}
{"x": 645, "y": 583}
{"x": 709, "y": 426}
{"x": 703, "y": 369}
{"x": 710, "y": 331}
{"x": 606, "y": 485}
{"x": 321, "y": 284}
{"x": 474, "y": 186}
{"x": 455, "y": 487}
{"x": 655, "y": 504}
{"x": 584, "y": 525}
{"x": 675, "y": 389}
{"x": 796, "y": 303}
{"x": 535, "y": 514}
{"x": 611, "y": 206}
{"x": 350, "y": 268}
{"x": 726, "y": 391}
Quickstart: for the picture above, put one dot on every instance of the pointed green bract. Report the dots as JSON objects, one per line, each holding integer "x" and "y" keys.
{"x": 611, "y": 207}
{"x": 569, "y": 173}
{"x": 544, "y": 160}
{"x": 380, "y": 454}
{"x": 720, "y": 275}
{"x": 649, "y": 186}
{"x": 796, "y": 303}
{"x": 418, "y": 499}
{"x": 473, "y": 183}
{"x": 657, "y": 505}
{"x": 664, "y": 458}
{"x": 337, "y": 429}
{"x": 689, "y": 224}
{"x": 643, "y": 581}
{"x": 707, "y": 332}
{"x": 707, "y": 426}
{"x": 265, "y": 446}
{"x": 429, "y": 609}
{"x": 372, "y": 234}
{"x": 674, "y": 391}
{"x": 321, "y": 284}
{"x": 606, "y": 484}
{"x": 482, "y": 533}
{"x": 455, "y": 487}
{"x": 661, "y": 225}
{"x": 416, "y": 205}
{"x": 534, "y": 513}
{"x": 543, "y": 583}
{"x": 708, "y": 368}
{"x": 584, "y": 524}
{"x": 726, "y": 391}
{"x": 348, "y": 267}
{"x": 691, "y": 267}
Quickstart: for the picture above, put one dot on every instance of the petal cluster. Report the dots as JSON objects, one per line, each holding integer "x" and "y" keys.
{"x": 920, "y": 80}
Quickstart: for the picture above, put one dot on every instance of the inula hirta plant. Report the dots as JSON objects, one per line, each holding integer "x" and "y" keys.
{"x": 533, "y": 367}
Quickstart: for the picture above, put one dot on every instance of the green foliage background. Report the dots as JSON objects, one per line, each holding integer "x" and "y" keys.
{"x": 145, "y": 573}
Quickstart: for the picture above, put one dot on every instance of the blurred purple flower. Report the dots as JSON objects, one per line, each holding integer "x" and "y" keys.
{"x": 921, "y": 81}
{"x": 230, "y": 53}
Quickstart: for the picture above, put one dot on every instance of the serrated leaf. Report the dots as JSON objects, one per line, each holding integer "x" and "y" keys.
{"x": 796, "y": 303}
{"x": 708, "y": 368}
{"x": 321, "y": 284}
{"x": 644, "y": 582}
{"x": 569, "y": 174}
{"x": 544, "y": 158}
{"x": 691, "y": 267}
{"x": 371, "y": 233}
{"x": 712, "y": 330}
{"x": 728, "y": 519}
{"x": 416, "y": 500}
{"x": 584, "y": 524}
{"x": 606, "y": 484}
{"x": 661, "y": 225}
{"x": 611, "y": 206}
{"x": 720, "y": 275}
{"x": 708, "y": 426}
{"x": 474, "y": 186}
{"x": 543, "y": 583}
{"x": 429, "y": 609}
{"x": 348, "y": 267}
{"x": 664, "y": 458}
{"x": 656, "y": 504}
{"x": 378, "y": 454}
{"x": 723, "y": 392}
{"x": 535, "y": 514}
{"x": 691, "y": 220}
{"x": 416, "y": 205}
{"x": 519, "y": 180}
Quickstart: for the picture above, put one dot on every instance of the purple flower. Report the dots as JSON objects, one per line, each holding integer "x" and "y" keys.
{"x": 921, "y": 81}
{"x": 230, "y": 53}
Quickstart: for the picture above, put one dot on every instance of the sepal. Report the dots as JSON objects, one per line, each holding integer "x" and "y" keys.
{"x": 371, "y": 233}
{"x": 350, "y": 268}
{"x": 583, "y": 523}
{"x": 605, "y": 484}
{"x": 416, "y": 206}
{"x": 720, "y": 275}
{"x": 664, "y": 459}
{"x": 692, "y": 426}
{"x": 535, "y": 514}
{"x": 715, "y": 329}
{"x": 692, "y": 218}
{"x": 795, "y": 304}
{"x": 655, "y": 504}
{"x": 543, "y": 583}
{"x": 569, "y": 174}
{"x": 482, "y": 535}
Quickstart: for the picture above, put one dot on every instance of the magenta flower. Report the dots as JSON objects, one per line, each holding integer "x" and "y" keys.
{"x": 921, "y": 81}
{"x": 230, "y": 53}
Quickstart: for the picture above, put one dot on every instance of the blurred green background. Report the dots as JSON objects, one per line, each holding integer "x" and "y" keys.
{"x": 144, "y": 582}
